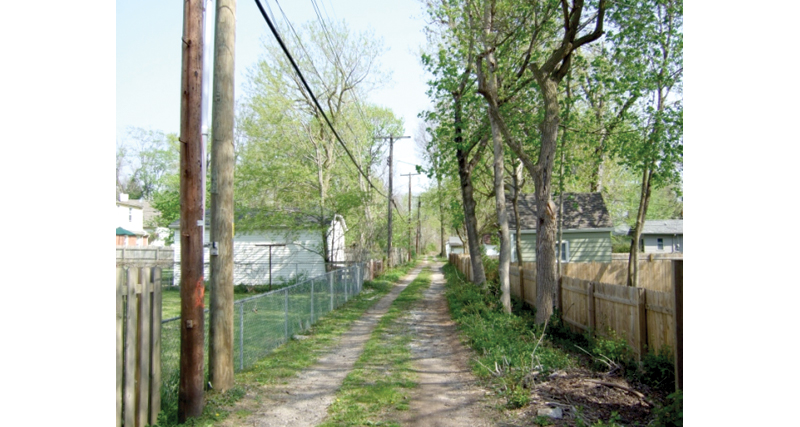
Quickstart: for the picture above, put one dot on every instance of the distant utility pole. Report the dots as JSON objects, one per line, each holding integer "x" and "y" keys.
{"x": 190, "y": 388}
{"x": 220, "y": 333}
{"x": 409, "y": 175}
{"x": 419, "y": 223}
{"x": 391, "y": 149}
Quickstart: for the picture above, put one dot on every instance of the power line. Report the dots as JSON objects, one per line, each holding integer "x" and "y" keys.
{"x": 311, "y": 93}
{"x": 329, "y": 38}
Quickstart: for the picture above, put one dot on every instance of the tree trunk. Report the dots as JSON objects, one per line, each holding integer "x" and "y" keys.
{"x": 490, "y": 94}
{"x": 502, "y": 219}
{"x": 465, "y": 176}
{"x": 633, "y": 258}
{"x": 518, "y": 183}
{"x": 443, "y": 253}
{"x": 545, "y": 208}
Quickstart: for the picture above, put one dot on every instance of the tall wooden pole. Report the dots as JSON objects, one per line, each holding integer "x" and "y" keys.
{"x": 389, "y": 237}
{"x": 409, "y": 175}
{"x": 220, "y": 334}
{"x": 190, "y": 389}
{"x": 419, "y": 223}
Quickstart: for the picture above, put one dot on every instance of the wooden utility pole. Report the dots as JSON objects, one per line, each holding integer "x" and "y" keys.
{"x": 389, "y": 237}
{"x": 409, "y": 175}
{"x": 220, "y": 334}
{"x": 190, "y": 388}
{"x": 419, "y": 223}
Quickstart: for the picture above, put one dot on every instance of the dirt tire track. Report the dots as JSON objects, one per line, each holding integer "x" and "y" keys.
{"x": 447, "y": 394}
{"x": 304, "y": 400}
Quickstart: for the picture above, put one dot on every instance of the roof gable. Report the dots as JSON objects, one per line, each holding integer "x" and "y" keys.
{"x": 581, "y": 211}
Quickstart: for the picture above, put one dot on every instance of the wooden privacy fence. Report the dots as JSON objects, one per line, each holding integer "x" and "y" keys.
{"x": 462, "y": 263}
{"x": 643, "y": 317}
{"x": 138, "y": 346}
{"x": 647, "y": 318}
{"x": 653, "y": 274}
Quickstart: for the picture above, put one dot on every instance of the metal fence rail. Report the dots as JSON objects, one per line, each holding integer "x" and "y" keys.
{"x": 264, "y": 322}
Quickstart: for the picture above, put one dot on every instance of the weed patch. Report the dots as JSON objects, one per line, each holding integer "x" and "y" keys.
{"x": 382, "y": 376}
{"x": 510, "y": 348}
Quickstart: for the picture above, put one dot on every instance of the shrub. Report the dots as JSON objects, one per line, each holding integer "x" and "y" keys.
{"x": 656, "y": 370}
{"x": 671, "y": 414}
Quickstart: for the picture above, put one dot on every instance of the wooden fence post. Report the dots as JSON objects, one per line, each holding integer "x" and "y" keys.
{"x": 129, "y": 405}
{"x": 155, "y": 355}
{"x": 120, "y": 317}
{"x": 677, "y": 277}
{"x": 641, "y": 301}
{"x": 522, "y": 284}
{"x": 590, "y": 307}
{"x": 144, "y": 346}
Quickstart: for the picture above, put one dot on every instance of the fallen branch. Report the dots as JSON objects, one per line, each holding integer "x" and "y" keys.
{"x": 622, "y": 387}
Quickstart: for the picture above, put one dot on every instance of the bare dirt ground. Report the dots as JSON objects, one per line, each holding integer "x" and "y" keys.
{"x": 304, "y": 400}
{"x": 447, "y": 394}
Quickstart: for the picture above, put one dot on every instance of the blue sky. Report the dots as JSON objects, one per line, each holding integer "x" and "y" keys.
{"x": 148, "y": 59}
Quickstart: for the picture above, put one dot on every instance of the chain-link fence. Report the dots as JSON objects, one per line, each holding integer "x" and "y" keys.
{"x": 263, "y": 322}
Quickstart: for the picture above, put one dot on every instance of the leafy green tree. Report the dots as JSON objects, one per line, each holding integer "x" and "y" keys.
{"x": 290, "y": 164}
{"x": 652, "y": 31}
{"x": 459, "y": 127}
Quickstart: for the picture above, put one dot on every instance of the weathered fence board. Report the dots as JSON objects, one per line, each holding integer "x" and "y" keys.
{"x": 660, "y": 312}
{"x": 120, "y": 344}
{"x": 655, "y": 275}
{"x": 138, "y": 346}
{"x": 145, "y": 256}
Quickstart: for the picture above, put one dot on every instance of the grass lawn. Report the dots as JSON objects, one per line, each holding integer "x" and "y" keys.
{"x": 171, "y": 301}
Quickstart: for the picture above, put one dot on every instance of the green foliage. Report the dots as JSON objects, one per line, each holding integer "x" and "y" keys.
{"x": 508, "y": 344}
{"x": 612, "y": 347}
{"x": 671, "y": 414}
{"x": 620, "y": 244}
{"x": 656, "y": 370}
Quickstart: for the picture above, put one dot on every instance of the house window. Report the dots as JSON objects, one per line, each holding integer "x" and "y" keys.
{"x": 562, "y": 251}
{"x": 660, "y": 244}
{"x": 130, "y": 214}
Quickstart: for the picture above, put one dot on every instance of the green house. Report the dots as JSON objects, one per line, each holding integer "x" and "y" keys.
{"x": 586, "y": 228}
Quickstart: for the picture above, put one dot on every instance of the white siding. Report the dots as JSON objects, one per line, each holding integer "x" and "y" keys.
{"x": 301, "y": 256}
{"x": 136, "y": 221}
{"x": 672, "y": 243}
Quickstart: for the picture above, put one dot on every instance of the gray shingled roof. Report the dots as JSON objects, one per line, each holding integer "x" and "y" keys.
{"x": 663, "y": 226}
{"x": 581, "y": 211}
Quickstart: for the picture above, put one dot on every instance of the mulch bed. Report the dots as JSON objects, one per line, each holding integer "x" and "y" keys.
{"x": 587, "y": 396}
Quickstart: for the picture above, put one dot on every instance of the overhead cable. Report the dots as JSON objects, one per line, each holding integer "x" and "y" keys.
{"x": 311, "y": 93}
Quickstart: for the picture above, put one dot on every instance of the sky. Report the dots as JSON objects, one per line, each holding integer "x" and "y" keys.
{"x": 148, "y": 61}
